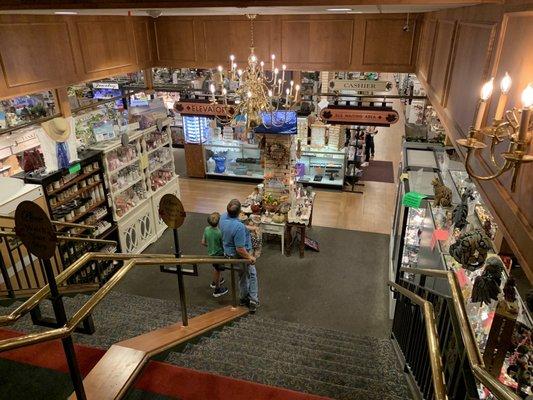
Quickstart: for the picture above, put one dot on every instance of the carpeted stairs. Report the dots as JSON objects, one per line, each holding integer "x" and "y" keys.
{"x": 311, "y": 360}
{"x": 318, "y": 361}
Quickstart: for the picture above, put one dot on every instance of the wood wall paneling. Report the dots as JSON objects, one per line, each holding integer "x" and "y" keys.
{"x": 426, "y": 47}
{"x": 221, "y": 38}
{"x": 317, "y": 43}
{"x": 143, "y": 42}
{"x": 106, "y": 45}
{"x": 175, "y": 42}
{"x": 386, "y": 44}
{"x": 35, "y": 54}
{"x": 469, "y": 69}
{"x": 441, "y": 58}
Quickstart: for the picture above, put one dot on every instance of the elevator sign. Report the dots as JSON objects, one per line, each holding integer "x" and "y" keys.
{"x": 373, "y": 116}
{"x": 360, "y": 85}
{"x": 204, "y": 109}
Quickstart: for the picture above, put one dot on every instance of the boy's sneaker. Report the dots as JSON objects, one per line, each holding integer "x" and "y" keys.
{"x": 220, "y": 291}
{"x": 214, "y": 285}
{"x": 244, "y": 302}
{"x": 253, "y": 306}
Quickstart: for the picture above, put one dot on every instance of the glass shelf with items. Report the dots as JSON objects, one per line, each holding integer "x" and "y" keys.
{"x": 411, "y": 238}
{"x": 321, "y": 167}
{"x": 233, "y": 158}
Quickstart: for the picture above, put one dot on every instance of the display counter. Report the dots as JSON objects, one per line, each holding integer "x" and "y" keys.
{"x": 232, "y": 158}
{"x": 321, "y": 167}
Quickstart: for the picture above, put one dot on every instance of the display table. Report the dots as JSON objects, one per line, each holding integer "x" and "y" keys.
{"x": 275, "y": 229}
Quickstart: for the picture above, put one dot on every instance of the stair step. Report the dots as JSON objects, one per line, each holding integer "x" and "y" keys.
{"x": 304, "y": 329}
{"x": 272, "y": 377}
{"x": 306, "y": 335}
{"x": 381, "y": 351}
{"x": 290, "y": 368}
{"x": 300, "y": 356}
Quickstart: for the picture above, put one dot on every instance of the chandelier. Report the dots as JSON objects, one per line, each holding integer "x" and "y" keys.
{"x": 513, "y": 126}
{"x": 257, "y": 97}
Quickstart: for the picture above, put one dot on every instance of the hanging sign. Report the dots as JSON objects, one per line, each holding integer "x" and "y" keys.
{"x": 202, "y": 108}
{"x": 105, "y": 85}
{"x": 413, "y": 199}
{"x": 33, "y": 227}
{"x": 360, "y": 85}
{"x": 375, "y": 116}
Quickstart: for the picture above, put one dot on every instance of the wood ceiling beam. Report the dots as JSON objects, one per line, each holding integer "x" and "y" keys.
{"x": 151, "y": 4}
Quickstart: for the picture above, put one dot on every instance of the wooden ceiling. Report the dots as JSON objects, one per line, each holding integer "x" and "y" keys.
{"x": 161, "y": 4}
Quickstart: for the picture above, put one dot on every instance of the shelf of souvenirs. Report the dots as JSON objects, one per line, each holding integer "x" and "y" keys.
{"x": 159, "y": 160}
{"x": 76, "y": 180}
{"x": 128, "y": 201}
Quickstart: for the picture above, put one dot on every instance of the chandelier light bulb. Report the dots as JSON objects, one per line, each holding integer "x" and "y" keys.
{"x": 269, "y": 93}
{"x": 249, "y": 94}
{"x": 232, "y": 58}
{"x": 287, "y": 91}
{"x": 262, "y": 64}
{"x": 283, "y": 67}
{"x": 212, "y": 88}
{"x": 234, "y": 65}
{"x": 253, "y": 58}
{"x": 505, "y": 84}
{"x": 297, "y": 87}
{"x": 224, "y": 91}
{"x": 239, "y": 72}
{"x": 527, "y": 96}
{"x": 219, "y": 68}
{"x": 273, "y": 57}
{"x": 276, "y": 71}
{"x": 292, "y": 83}
{"x": 279, "y": 81}
{"x": 486, "y": 90}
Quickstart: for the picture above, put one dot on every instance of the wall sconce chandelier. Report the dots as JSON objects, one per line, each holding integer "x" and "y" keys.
{"x": 511, "y": 125}
{"x": 255, "y": 93}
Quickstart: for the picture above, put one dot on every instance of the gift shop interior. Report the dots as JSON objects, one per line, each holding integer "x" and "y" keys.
{"x": 381, "y": 244}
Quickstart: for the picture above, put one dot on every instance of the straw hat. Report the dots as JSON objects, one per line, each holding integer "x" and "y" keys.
{"x": 57, "y": 129}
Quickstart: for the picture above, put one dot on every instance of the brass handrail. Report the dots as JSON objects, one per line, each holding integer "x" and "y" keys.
{"x": 435, "y": 358}
{"x": 69, "y": 224}
{"x": 472, "y": 350}
{"x": 86, "y": 309}
{"x": 67, "y": 238}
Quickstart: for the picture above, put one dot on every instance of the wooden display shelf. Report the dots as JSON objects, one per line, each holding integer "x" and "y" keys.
{"x": 72, "y": 182}
{"x": 157, "y": 148}
{"x": 91, "y": 209}
{"x": 78, "y": 193}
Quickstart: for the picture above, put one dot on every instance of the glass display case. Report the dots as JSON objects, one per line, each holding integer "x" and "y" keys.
{"x": 321, "y": 167}
{"x": 233, "y": 158}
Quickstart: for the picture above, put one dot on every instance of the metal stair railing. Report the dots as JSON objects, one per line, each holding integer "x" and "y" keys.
{"x": 463, "y": 364}
{"x": 23, "y": 273}
{"x": 65, "y": 331}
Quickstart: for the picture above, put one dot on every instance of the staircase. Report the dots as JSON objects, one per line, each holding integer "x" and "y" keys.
{"x": 312, "y": 360}
{"x": 306, "y": 359}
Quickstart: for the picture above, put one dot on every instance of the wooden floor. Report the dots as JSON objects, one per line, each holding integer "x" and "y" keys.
{"x": 371, "y": 211}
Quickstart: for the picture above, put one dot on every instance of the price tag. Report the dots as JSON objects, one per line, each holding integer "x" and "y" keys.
{"x": 74, "y": 168}
{"x": 413, "y": 199}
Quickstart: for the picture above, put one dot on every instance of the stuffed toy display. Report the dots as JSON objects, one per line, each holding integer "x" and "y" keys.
{"x": 470, "y": 250}
{"x": 487, "y": 285}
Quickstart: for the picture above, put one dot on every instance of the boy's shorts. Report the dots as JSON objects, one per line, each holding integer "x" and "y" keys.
{"x": 219, "y": 267}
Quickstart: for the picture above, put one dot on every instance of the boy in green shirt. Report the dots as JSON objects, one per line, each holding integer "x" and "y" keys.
{"x": 212, "y": 239}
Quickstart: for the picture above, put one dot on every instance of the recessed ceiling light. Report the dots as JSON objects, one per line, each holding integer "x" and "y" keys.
{"x": 65, "y": 12}
{"x": 338, "y": 9}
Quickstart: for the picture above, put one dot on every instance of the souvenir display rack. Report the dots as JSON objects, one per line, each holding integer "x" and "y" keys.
{"x": 232, "y": 158}
{"x": 77, "y": 194}
{"x": 138, "y": 174}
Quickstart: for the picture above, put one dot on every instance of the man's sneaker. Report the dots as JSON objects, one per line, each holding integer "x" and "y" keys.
{"x": 253, "y": 307}
{"x": 244, "y": 302}
{"x": 214, "y": 285}
{"x": 220, "y": 291}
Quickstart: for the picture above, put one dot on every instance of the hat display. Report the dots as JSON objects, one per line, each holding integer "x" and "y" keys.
{"x": 57, "y": 129}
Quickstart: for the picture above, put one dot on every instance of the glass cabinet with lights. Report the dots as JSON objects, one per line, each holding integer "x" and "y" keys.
{"x": 321, "y": 167}
{"x": 232, "y": 158}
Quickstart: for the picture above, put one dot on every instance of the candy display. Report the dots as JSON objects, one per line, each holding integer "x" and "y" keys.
{"x": 120, "y": 157}
{"x": 160, "y": 178}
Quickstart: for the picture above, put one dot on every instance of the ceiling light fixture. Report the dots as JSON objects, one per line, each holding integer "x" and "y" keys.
{"x": 65, "y": 12}
{"x": 338, "y": 9}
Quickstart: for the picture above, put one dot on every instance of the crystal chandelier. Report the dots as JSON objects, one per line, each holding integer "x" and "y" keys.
{"x": 256, "y": 95}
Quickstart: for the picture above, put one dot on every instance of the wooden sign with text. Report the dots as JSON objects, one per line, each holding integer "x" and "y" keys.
{"x": 360, "y": 85}
{"x": 35, "y": 230}
{"x": 373, "y": 116}
{"x": 204, "y": 108}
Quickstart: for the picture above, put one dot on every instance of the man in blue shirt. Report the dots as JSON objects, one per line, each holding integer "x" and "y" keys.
{"x": 237, "y": 242}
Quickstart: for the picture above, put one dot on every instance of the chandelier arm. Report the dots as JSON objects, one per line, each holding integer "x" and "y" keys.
{"x": 506, "y": 167}
{"x": 496, "y": 141}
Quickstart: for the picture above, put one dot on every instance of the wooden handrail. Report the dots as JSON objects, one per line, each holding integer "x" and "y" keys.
{"x": 86, "y": 309}
{"x": 472, "y": 350}
{"x": 435, "y": 357}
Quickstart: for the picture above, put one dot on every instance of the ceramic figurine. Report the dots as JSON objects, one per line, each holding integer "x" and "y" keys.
{"x": 487, "y": 285}
{"x": 443, "y": 194}
{"x": 470, "y": 249}
{"x": 460, "y": 212}
{"x": 509, "y": 290}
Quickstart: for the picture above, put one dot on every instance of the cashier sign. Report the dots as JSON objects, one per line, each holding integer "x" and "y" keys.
{"x": 171, "y": 211}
